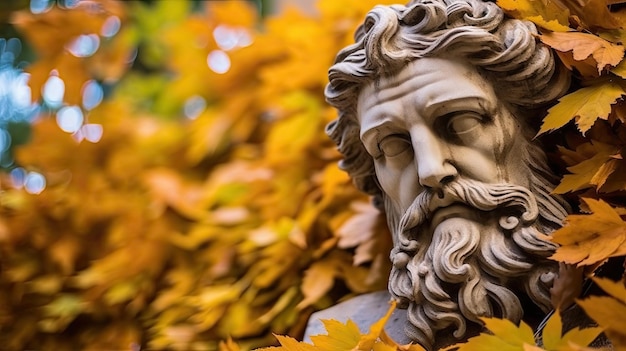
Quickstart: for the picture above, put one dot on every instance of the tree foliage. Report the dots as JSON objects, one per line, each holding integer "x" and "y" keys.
{"x": 211, "y": 207}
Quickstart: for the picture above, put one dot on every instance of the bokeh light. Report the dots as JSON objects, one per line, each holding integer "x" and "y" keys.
{"x": 111, "y": 26}
{"x": 34, "y": 183}
{"x": 40, "y": 6}
{"x": 92, "y": 132}
{"x": 194, "y": 106}
{"x": 92, "y": 94}
{"x": 70, "y": 118}
{"x": 18, "y": 177}
{"x": 218, "y": 61}
{"x": 5, "y": 140}
{"x": 84, "y": 45}
{"x": 228, "y": 38}
{"x": 53, "y": 91}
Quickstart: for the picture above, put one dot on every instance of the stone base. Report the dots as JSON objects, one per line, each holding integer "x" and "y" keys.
{"x": 364, "y": 310}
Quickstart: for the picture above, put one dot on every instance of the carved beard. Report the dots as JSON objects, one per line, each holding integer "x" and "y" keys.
{"x": 471, "y": 267}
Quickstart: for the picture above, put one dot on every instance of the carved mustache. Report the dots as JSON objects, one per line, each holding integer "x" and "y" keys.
{"x": 474, "y": 194}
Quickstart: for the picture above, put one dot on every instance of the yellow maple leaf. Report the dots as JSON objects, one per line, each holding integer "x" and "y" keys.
{"x": 584, "y": 45}
{"x": 553, "y": 339}
{"x": 346, "y": 336}
{"x": 592, "y": 14}
{"x": 546, "y": 14}
{"x": 609, "y": 311}
{"x": 620, "y": 69}
{"x": 506, "y": 337}
{"x": 588, "y": 239}
{"x": 291, "y": 344}
{"x": 341, "y": 336}
{"x": 588, "y": 104}
{"x": 594, "y": 170}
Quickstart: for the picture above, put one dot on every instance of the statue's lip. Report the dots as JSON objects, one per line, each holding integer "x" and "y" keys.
{"x": 453, "y": 210}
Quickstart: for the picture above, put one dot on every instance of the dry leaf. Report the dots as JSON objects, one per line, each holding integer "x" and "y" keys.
{"x": 588, "y": 239}
{"x": 567, "y": 286}
{"x": 584, "y": 45}
{"x": 588, "y": 104}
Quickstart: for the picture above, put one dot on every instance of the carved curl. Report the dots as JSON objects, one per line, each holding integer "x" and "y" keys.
{"x": 505, "y": 50}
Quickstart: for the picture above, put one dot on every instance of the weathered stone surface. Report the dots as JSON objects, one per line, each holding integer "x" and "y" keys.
{"x": 435, "y": 100}
{"x": 364, "y": 310}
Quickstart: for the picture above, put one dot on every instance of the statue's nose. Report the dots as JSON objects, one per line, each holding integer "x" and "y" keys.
{"x": 433, "y": 160}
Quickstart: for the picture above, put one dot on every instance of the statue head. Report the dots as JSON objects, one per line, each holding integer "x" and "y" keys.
{"x": 435, "y": 103}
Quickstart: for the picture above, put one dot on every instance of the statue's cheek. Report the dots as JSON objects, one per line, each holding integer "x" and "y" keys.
{"x": 400, "y": 184}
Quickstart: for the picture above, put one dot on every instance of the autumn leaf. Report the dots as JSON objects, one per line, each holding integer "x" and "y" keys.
{"x": 588, "y": 239}
{"x": 584, "y": 45}
{"x": 506, "y": 337}
{"x": 546, "y": 14}
{"x": 592, "y": 14}
{"x": 585, "y": 104}
{"x": 567, "y": 286}
{"x": 620, "y": 69}
{"x": 609, "y": 311}
{"x": 229, "y": 345}
{"x": 341, "y": 336}
{"x": 317, "y": 281}
{"x": 552, "y": 339}
{"x": 591, "y": 171}
{"x": 291, "y": 344}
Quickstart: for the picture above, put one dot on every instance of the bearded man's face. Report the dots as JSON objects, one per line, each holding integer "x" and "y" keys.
{"x": 453, "y": 165}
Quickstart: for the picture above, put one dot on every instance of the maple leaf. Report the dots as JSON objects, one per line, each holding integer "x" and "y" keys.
{"x": 587, "y": 68}
{"x": 546, "y": 14}
{"x": 620, "y": 69}
{"x": 588, "y": 239}
{"x": 553, "y": 339}
{"x": 609, "y": 311}
{"x": 588, "y": 104}
{"x": 584, "y": 45}
{"x": 291, "y": 344}
{"x": 341, "y": 336}
{"x": 506, "y": 337}
{"x": 591, "y": 171}
{"x": 592, "y": 14}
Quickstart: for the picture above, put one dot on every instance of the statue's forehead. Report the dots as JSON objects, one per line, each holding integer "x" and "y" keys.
{"x": 426, "y": 83}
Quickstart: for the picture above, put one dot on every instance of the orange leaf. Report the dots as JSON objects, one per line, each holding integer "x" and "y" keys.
{"x": 317, "y": 281}
{"x": 584, "y": 45}
{"x": 589, "y": 239}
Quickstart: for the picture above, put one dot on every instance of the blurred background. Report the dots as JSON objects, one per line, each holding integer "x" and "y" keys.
{"x": 166, "y": 182}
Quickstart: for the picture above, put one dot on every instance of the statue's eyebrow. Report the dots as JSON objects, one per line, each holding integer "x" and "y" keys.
{"x": 371, "y": 135}
{"x": 462, "y": 103}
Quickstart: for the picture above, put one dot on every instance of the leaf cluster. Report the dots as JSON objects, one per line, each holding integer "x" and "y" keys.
{"x": 183, "y": 227}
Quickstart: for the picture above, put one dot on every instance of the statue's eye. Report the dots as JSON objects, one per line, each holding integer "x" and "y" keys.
{"x": 464, "y": 123}
{"x": 394, "y": 145}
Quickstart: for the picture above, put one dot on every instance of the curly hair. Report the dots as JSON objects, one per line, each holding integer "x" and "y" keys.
{"x": 504, "y": 50}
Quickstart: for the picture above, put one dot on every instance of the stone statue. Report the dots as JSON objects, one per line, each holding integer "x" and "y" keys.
{"x": 434, "y": 101}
